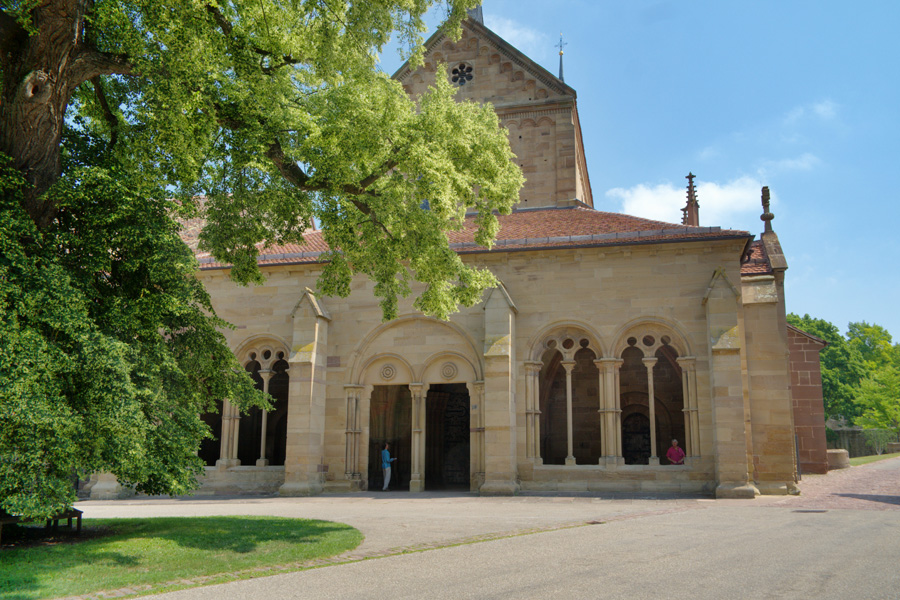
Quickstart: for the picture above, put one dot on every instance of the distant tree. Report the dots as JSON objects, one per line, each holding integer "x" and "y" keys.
{"x": 873, "y": 342}
{"x": 879, "y": 400}
{"x": 878, "y": 439}
{"x": 843, "y": 367}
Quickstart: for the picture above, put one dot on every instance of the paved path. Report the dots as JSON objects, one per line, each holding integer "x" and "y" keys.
{"x": 395, "y": 521}
{"x": 664, "y": 546}
{"x": 875, "y": 486}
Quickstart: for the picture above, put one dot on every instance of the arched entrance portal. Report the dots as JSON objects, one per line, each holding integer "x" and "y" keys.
{"x": 446, "y": 436}
{"x": 416, "y": 383}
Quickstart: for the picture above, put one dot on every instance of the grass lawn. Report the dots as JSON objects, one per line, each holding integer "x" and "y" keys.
{"x": 126, "y": 553}
{"x": 862, "y": 460}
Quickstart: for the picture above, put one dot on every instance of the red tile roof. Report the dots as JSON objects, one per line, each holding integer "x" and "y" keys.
{"x": 573, "y": 227}
{"x": 758, "y": 263}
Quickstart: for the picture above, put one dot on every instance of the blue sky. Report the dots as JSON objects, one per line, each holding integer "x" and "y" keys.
{"x": 800, "y": 96}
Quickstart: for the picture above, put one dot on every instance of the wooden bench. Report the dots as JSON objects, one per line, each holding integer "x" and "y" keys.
{"x": 74, "y": 513}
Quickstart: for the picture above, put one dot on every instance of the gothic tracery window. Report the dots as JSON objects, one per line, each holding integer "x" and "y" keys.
{"x": 262, "y": 434}
{"x": 569, "y": 400}
{"x": 650, "y": 367}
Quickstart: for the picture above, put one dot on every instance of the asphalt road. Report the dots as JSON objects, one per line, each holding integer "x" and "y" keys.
{"x": 840, "y": 540}
{"x": 713, "y": 553}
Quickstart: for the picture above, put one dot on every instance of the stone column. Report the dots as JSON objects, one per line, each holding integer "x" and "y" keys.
{"x": 568, "y": 365}
{"x": 691, "y": 415}
{"x": 532, "y": 410}
{"x": 105, "y": 486}
{"x": 612, "y": 440}
{"x": 602, "y": 410}
{"x": 352, "y": 433}
{"x": 304, "y": 468}
{"x": 417, "y": 478}
{"x": 228, "y": 445}
{"x": 364, "y": 435}
{"x": 608, "y": 409}
{"x": 263, "y": 461}
{"x": 235, "y": 433}
{"x": 616, "y": 367}
{"x": 501, "y": 469}
{"x": 651, "y": 402}
{"x": 476, "y": 428}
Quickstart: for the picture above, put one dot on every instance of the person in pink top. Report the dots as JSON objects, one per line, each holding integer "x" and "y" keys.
{"x": 675, "y": 454}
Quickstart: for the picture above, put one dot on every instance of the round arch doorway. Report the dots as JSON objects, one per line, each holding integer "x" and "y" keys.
{"x": 447, "y": 448}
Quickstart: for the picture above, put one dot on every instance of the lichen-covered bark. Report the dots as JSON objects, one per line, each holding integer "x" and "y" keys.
{"x": 41, "y": 69}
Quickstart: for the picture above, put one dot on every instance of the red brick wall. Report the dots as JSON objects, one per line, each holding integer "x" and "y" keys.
{"x": 806, "y": 394}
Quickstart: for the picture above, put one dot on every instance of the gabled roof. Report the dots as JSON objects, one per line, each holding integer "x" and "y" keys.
{"x": 505, "y": 48}
{"x": 535, "y": 229}
{"x": 805, "y": 334}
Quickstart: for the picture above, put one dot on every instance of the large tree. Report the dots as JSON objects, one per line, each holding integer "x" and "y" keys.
{"x": 879, "y": 393}
{"x": 842, "y": 367}
{"x": 115, "y": 116}
{"x": 277, "y": 113}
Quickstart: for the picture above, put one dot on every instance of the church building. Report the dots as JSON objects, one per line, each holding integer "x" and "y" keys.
{"x": 609, "y": 337}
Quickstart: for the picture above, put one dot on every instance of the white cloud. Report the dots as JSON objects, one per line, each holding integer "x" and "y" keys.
{"x": 708, "y": 153}
{"x": 825, "y": 110}
{"x": 804, "y": 162}
{"x": 530, "y": 41}
{"x": 794, "y": 115}
{"x": 733, "y": 205}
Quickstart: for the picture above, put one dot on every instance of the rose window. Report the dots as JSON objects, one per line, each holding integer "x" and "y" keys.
{"x": 461, "y": 74}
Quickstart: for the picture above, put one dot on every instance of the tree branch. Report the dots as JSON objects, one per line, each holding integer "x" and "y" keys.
{"x": 111, "y": 119}
{"x": 220, "y": 19}
{"x": 298, "y": 177}
{"x": 90, "y": 63}
{"x": 288, "y": 168}
{"x": 377, "y": 174}
{"x": 228, "y": 29}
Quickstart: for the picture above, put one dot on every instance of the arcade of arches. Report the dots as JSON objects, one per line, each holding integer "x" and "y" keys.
{"x": 593, "y": 410}
{"x": 257, "y": 437}
{"x": 583, "y": 409}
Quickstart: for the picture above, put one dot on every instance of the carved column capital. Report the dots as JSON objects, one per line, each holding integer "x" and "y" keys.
{"x": 609, "y": 363}
{"x": 533, "y": 367}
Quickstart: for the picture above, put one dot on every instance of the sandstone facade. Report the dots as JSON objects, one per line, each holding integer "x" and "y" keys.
{"x": 610, "y": 336}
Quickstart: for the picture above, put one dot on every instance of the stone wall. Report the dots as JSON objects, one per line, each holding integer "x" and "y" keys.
{"x": 806, "y": 395}
{"x": 604, "y": 295}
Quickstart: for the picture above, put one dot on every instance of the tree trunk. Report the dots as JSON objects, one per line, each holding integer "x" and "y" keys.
{"x": 40, "y": 73}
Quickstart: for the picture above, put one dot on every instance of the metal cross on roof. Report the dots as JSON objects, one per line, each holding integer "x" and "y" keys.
{"x": 561, "y": 45}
